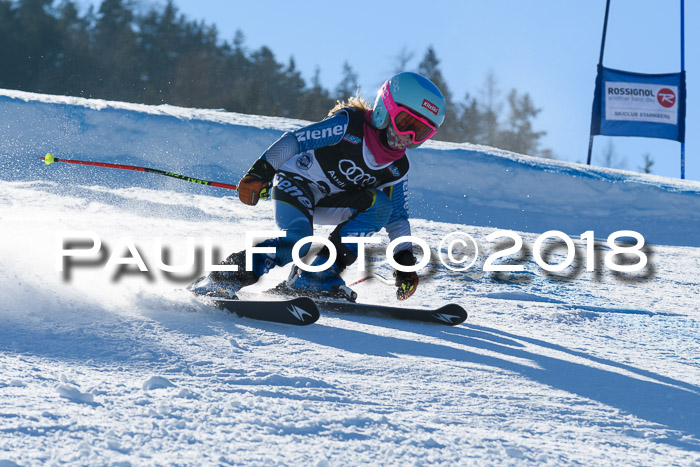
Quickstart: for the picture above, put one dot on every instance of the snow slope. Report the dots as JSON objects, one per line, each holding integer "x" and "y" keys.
{"x": 99, "y": 367}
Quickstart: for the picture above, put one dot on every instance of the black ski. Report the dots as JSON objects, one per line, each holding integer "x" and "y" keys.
{"x": 450, "y": 314}
{"x": 300, "y": 311}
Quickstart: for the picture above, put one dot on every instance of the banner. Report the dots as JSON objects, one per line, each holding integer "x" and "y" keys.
{"x": 636, "y": 104}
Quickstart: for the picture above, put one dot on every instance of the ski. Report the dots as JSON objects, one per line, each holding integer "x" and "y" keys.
{"x": 450, "y": 314}
{"x": 299, "y": 311}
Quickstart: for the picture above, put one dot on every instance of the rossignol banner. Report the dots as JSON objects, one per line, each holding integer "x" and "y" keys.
{"x": 635, "y": 104}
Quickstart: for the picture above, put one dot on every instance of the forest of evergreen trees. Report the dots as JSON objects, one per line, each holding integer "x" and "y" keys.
{"x": 161, "y": 56}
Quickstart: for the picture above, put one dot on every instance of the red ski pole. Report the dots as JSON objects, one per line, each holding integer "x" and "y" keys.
{"x": 49, "y": 159}
{"x": 381, "y": 279}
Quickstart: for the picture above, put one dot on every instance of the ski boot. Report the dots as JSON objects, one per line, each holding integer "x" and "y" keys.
{"x": 322, "y": 284}
{"x": 225, "y": 284}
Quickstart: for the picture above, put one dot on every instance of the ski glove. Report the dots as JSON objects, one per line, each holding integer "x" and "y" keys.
{"x": 256, "y": 184}
{"x": 406, "y": 282}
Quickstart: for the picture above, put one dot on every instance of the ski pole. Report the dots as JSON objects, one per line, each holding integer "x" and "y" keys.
{"x": 49, "y": 159}
{"x": 381, "y": 279}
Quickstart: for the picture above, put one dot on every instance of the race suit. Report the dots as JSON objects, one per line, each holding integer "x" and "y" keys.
{"x": 336, "y": 172}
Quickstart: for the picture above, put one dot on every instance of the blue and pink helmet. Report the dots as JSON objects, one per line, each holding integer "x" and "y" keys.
{"x": 412, "y": 104}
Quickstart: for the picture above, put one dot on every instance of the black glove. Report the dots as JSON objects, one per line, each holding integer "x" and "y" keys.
{"x": 407, "y": 282}
{"x": 256, "y": 183}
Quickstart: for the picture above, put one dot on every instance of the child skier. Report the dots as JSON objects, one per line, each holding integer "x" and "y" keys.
{"x": 348, "y": 170}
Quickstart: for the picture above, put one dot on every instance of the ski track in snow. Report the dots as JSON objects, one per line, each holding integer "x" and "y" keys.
{"x": 582, "y": 368}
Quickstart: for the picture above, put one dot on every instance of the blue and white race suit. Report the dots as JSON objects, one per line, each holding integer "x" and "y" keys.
{"x": 327, "y": 174}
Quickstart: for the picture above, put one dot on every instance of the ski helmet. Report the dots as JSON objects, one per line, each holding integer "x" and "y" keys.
{"x": 413, "y": 92}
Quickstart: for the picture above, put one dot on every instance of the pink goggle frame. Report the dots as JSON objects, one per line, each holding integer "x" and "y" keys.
{"x": 405, "y": 121}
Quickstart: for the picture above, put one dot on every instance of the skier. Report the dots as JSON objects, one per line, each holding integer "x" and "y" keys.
{"x": 348, "y": 170}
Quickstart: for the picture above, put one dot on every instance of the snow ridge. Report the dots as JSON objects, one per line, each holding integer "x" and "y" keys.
{"x": 456, "y": 183}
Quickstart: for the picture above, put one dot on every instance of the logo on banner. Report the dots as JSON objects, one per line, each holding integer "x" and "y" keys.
{"x": 641, "y": 102}
{"x": 666, "y": 97}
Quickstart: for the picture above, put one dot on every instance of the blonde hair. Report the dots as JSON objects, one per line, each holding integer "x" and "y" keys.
{"x": 354, "y": 102}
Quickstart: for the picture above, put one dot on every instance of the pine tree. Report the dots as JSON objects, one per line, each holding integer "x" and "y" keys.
{"x": 648, "y": 163}
{"x": 200, "y": 67}
{"x": 316, "y": 101}
{"x": 35, "y": 47}
{"x": 611, "y": 158}
{"x": 518, "y": 135}
{"x": 471, "y": 121}
{"x": 292, "y": 88}
{"x": 10, "y": 46}
{"x": 164, "y": 44}
{"x": 403, "y": 59}
{"x": 236, "y": 71}
{"x": 264, "y": 84}
{"x": 490, "y": 110}
{"x": 348, "y": 86}
{"x": 75, "y": 59}
{"x": 117, "y": 55}
{"x": 430, "y": 68}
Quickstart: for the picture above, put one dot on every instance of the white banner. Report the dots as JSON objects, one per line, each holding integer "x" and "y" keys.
{"x": 641, "y": 102}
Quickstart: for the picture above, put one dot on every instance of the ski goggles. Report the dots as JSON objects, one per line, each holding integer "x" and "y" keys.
{"x": 405, "y": 121}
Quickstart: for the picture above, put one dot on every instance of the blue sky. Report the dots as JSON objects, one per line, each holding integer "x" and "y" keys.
{"x": 548, "y": 48}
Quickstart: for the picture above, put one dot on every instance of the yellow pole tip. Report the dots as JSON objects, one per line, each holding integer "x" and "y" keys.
{"x": 49, "y": 159}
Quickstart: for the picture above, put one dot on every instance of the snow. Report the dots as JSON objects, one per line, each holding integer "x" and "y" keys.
{"x": 107, "y": 366}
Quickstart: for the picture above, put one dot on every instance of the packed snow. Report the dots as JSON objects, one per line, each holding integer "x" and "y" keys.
{"x": 106, "y": 364}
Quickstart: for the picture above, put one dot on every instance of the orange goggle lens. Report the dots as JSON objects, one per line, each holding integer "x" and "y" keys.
{"x": 406, "y": 123}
